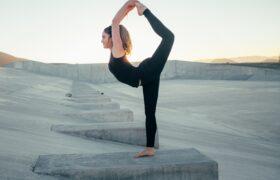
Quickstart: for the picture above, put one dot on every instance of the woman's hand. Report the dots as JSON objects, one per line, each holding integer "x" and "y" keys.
{"x": 130, "y": 4}
{"x": 129, "y": 8}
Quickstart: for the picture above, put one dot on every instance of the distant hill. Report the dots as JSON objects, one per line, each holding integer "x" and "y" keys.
{"x": 7, "y": 58}
{"x": 242, "y": 59}
{"x": 271, "y": 60}
{"x": 222, "y": 60}
{"x": 258, "y": 59}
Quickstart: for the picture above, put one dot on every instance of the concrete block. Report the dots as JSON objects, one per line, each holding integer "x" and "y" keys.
{"x": 97, "y": 99}
{"x": 113, "y": 115}
{"x": 91, "y": 96}
{"x": 83, "y": 88}
{"x": 175, "y": 164}
{"x": 80, "y": 84}
{"x": 83, "y": 92}
{"x": 123, "y": 132}
{"x": 88, "y": 95}
{"x": 95, "y": 106}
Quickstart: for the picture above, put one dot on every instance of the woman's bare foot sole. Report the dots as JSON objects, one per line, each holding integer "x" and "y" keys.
{"x": 140, "y": 8}
{"x": 144, "y": 153}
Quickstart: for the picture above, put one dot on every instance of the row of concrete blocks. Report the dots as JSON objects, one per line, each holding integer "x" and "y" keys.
{"x": 91, "y": 106}
{"x": 117, "y": 124}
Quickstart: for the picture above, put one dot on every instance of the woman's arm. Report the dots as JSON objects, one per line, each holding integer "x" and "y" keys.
{"x": 128, "y": 6}
{"x": 117, "y": 49}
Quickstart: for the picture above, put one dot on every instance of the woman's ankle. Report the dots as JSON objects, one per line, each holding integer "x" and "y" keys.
{"x": 150, "y": 148}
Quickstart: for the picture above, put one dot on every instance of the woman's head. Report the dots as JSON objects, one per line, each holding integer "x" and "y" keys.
{"x": 125, "y": 37}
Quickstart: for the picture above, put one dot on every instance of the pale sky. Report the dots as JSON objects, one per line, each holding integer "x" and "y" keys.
{"x": 69, "y": 31}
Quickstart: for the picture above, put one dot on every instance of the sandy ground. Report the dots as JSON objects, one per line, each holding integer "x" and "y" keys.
{"x": 235, "y": 123}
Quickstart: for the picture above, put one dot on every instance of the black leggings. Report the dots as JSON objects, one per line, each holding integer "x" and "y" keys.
{"x": 150, "y": 70}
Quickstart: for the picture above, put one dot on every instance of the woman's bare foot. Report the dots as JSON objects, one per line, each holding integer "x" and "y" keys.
{"x": 140, "y": 8}
{"x": 149, "y": 151}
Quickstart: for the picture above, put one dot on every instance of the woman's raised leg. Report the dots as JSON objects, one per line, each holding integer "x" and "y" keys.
{"x": 154, "y": 65}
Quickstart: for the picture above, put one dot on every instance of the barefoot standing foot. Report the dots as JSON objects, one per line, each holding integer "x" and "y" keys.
{"x": 146, "y": 152}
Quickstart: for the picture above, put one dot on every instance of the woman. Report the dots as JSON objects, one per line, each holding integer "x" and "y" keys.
{"x": 147, "y": 74}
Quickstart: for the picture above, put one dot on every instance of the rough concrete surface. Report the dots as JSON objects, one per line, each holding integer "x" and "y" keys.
{"x": 234, "y": 122}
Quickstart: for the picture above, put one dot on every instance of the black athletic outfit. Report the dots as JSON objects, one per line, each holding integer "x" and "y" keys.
{"x": 148, "y": 72}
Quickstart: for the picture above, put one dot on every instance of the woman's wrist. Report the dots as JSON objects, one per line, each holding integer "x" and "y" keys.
{"x": 115, "y": 21}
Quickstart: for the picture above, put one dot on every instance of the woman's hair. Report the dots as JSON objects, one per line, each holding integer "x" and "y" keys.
{"x": 125, "y": 37}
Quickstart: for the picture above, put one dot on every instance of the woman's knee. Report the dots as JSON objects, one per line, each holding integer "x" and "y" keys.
{"x": 150, "y": 114}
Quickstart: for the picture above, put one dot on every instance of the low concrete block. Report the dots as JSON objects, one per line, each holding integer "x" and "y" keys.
{"x": 83, "y": 95}
{"x": 96, "y": 99}
{"x": 95, "y": 106}
{"x": 78, "y": 92}
{"x": 88, "y": 95}
{"x": 175, "y": 164}
{"x": 124, "y": 132}
{"x": 113, "y": 115}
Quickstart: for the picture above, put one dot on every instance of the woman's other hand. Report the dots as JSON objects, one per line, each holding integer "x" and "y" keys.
{"x": 130, "y": 4}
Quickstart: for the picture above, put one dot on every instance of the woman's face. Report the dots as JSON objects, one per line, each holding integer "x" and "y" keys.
{"x": 106, "y": 40}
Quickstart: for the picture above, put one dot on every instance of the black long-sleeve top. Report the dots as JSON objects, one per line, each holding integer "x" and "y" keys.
{"x": 123, "y": 70}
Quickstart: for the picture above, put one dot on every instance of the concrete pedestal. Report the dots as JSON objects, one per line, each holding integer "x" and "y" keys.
{"x": 175, "y": 164}
{"x": 124, "y": 132}
{"x": 113, "y": 115}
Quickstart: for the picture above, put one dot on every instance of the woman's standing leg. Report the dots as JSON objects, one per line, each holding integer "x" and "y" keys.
{"x": 150, "y": 93}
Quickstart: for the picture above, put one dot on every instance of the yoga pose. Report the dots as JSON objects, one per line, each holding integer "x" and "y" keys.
{"x": 147, "y": 74}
